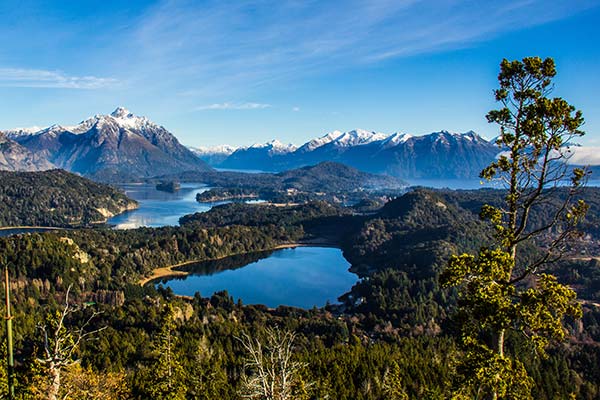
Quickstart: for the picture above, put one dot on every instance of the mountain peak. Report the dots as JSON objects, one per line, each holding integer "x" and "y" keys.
{"x": 358, "y": 137}
{"x": 121, "y": 112}
{"x": 120, "y": 145}
{"x": 274, "y": 147}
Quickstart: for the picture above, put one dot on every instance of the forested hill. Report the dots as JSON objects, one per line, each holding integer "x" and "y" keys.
{"x": 329, "y": 181}
{"x": 325, "y": 176}
{"x": 57, "y": 198}
{"x": 397, "y": 314}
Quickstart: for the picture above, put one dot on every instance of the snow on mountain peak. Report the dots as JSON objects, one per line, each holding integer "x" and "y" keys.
{"x": 275, "y": 147}
{"x": 445, "y": 136}
{"x": 395, "y": 139}
{"x": 127, "y": 119}
{"x": 358, "y": 137}
{"x": 208, "y": 150}
{"x": 19, "y": 132}
{"x": 344, "y": 139}
{"x": 323, "y": 140}
{"x": 121, "y": 112}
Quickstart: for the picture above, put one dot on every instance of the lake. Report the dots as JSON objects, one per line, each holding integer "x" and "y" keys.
{"x": 475, "y": 183}
{"x": 300, "y": 277}
{"x": 158, "y": 208}
{"x": 17, "y": 231}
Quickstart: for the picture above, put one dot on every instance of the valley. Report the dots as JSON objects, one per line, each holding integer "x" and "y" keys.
{"x": 230, "y": 250}
{"x": 370, "y": 251}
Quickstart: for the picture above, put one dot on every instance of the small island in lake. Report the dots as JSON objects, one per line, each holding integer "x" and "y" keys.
{"x": 169, "y": 186}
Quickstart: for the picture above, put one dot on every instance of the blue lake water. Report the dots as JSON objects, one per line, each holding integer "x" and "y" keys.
{"x": 17, "y": 231}
{"x": 244, "y": 171}
{"x": 157, "y": 208}
{"x": 300, "y": 277}
{"x": 454, "y": 184}
{"x": 475, "y": 183}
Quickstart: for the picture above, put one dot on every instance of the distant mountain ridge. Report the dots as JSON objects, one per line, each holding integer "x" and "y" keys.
{"x": 119, "y": 146}
{"x": 213, "y": 155}
{"x": 436, "y": 155}
{"x": 14, "y": 157}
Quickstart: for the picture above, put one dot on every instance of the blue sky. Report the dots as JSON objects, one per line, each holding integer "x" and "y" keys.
{"x": 241, "y": 72}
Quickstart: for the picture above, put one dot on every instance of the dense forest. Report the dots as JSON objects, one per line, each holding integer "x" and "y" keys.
{"x": 391, "y": 335}
{"x": 327, "y": 181}
{"x": 57, "y": 198}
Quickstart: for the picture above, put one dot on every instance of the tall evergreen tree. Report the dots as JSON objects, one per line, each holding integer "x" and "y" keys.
{"x": 500, "y": 290}
{"x": 166, "y": 375}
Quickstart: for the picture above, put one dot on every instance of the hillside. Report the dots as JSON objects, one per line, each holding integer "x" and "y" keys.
{"x": 323, "y": 181}
{"x": 333, "y": 176}
{"x": 57, "y": 198}
{"x": 397, "y": 314}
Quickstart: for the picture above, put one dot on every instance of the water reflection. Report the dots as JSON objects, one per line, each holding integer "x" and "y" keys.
{"x": 158, "y": 208}
{"x": 301, "y": 277}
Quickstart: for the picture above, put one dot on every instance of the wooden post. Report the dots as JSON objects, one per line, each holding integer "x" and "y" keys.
{"x": 9, "y": 338}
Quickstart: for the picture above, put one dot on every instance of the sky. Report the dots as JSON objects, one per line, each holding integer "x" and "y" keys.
{"x": 242, "y": 72}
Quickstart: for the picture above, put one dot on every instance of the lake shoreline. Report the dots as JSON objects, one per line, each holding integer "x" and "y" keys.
{"x": 46, "y": 228}
{"x": 171, "y": 272}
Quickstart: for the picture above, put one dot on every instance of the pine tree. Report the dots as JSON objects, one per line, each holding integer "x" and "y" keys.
{"x": 166, "y": 376}
{"x": 501, "y": 291}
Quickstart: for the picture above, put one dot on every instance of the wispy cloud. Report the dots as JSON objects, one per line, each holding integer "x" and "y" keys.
{"x": 235, "y": 45}
{"x": 38, "y": 78}
{"x": 233, "y": 106}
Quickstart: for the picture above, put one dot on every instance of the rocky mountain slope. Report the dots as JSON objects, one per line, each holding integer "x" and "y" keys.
{"x": 14, "y": 157}
{"x": 119, "y": 146}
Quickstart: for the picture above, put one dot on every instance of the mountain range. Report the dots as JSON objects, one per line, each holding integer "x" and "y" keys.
{"x": 119, "y": 146}
{"x": 436, "y": 155}
{"x": 124, "y": 147}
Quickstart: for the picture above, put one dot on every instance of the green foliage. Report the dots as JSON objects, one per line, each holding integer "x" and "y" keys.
{"x": 392, "y": 383}
{"x": 501, "y": 291}
{"x": 397, "y": 316}
{"x": 56, "y": 198}
{"x": 484, "y": 371}
{"x": 164, "y": 377}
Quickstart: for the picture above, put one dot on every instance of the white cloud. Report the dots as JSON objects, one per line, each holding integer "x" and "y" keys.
{"x": 39, "y": 78}
{"x": 233, "y": 106}
{"x": 295, "y": 109}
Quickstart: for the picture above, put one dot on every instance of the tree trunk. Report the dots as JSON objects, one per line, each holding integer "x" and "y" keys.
{"x": 54, "y": 371}
{"x": 500, "y": 343}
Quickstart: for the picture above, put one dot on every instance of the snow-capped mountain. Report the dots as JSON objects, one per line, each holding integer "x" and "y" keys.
{"x": 342, "y": 139}
{"x": 395, "y": 139}
{"x": 436, "y": 155}
{"x": 584, "y": 155}
{"x": 274, "y": 147}
{"x": 259, "y": 154}
{"x": 17, "y": 132}
{"x": 213, "y": 154}
{"x": 116, "y": 146}
{"x": 357, "y": 137}
{"x": 323, "y": 140}
{"x": 221, "y": 149}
